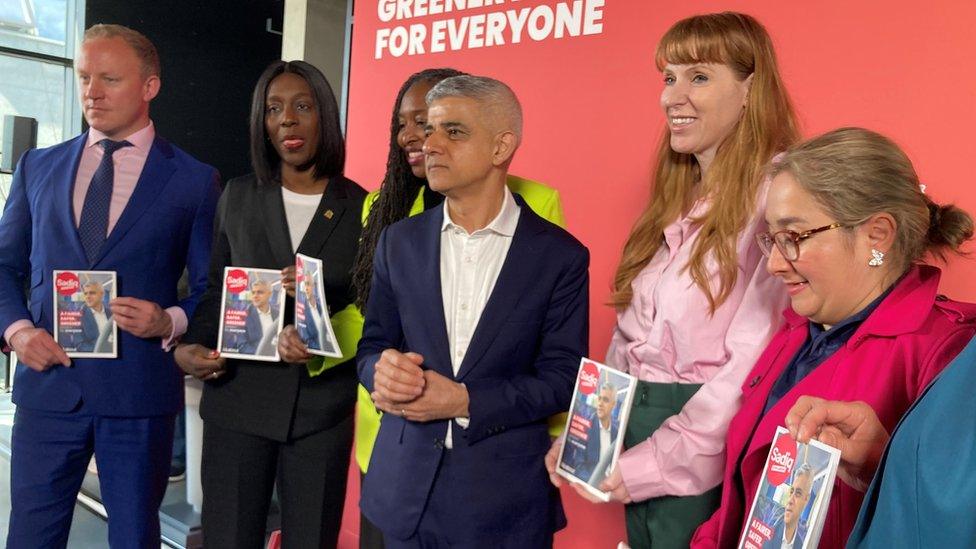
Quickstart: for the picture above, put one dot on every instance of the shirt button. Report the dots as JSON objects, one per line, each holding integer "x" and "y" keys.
{"x": 464, "y": 306}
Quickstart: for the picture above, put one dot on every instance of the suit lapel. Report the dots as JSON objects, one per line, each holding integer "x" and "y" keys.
{"x": 153, "y": 179}
{"x": 431, "y": 296}
{"x": 513, "y": 281}
{"x": 66, "y": 173}
{"x": 276, "y": 224}
{"x": 326, "y": 219}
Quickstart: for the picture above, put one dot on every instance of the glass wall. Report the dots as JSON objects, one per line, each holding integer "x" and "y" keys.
{"x": 37, "y": 50}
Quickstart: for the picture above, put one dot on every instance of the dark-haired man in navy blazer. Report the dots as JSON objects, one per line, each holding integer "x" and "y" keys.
{"x": 475, "y": 325}
{"x": 117, "y": 198}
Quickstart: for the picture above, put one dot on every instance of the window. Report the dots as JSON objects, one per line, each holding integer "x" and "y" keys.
{"x": 37, "y": 49}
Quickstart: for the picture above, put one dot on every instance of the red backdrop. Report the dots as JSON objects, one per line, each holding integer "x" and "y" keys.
{"x": 592, "y": 119}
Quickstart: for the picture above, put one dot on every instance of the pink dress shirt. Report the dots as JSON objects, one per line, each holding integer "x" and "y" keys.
{"x": 128, "y": 163}
{"x": 667, "y": 335}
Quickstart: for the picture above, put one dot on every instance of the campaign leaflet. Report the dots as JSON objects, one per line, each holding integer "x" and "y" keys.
{"x": 311, "y": 310}
{"x": 595, "y": 428}
{"x": 83, "y": 323}
{"x": 794, "y": 492}
{"x": 252, "y": 312}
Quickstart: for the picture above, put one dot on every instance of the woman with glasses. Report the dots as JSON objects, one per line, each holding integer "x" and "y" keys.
{"x": 849, "y": 226}
{"x": 695, "y": 307}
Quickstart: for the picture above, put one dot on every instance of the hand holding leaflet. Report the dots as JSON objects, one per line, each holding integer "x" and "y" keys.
{"x": 597, "y": 420}
{"x": 793, "y": 495}
{"x": 37, "y": 349}
{"x": 200, "y": 362}
{"x": 851, "y": 427}
{"x": 251, "y": 314}
{"x": 312, "y": 318}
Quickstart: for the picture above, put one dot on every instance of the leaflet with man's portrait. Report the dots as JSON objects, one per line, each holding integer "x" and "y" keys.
{"x": 252, "y": 311}
{"x": 793, "y": 496}
{"x": 595, "y": 427}
{"x": 311, "y": 310}
{"x": 83, "y": 322}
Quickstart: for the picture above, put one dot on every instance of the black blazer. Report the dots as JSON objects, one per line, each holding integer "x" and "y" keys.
{"x": 279, "y": 400}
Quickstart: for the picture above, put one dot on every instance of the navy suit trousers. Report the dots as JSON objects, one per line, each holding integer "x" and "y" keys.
{"x": 51, "y": 451}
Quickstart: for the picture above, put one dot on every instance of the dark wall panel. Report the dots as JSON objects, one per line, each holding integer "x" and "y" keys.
{"x": 212, "y": 53}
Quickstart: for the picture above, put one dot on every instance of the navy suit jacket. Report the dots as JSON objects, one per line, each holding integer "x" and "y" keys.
{"x": 310, "y": 330}
{"x": 166, "y": 226}
{"x": 519, "y": 370}
{"x": 253, "y": 330}
{"x": 593, "y": 447}
{"x": 89, "y": 329}
{"x": 777, "y": 540}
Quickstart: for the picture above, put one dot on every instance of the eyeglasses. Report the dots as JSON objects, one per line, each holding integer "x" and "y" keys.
{"x": 788, "y": 242}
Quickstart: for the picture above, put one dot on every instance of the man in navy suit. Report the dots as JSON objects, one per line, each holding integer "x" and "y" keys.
{"x": 261, "y": 323}
{"x": 790, "y": 532}
{"x": 96, "y": 320}
{"x": 311, "y": 332}
{"x": 475, "y": 324}
{"x": 600, "y": 437}
{"x": 117, "y": 198}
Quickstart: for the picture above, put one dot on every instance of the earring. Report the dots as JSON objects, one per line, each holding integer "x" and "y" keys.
{"x": 877, "y": 258}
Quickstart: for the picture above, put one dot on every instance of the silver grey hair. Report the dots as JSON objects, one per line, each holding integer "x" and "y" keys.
{"x": 495, "y": 96}
{"x": 806, "y": 470}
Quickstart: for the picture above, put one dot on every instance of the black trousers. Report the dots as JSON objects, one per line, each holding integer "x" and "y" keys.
{"x": 239, "y": 474}
{"x": 370, "y": 537}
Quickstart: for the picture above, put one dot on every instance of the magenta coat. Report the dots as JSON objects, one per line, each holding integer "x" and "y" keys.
{"x": 893, "y": 355}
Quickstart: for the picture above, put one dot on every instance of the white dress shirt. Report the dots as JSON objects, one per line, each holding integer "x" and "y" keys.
{"x": 104, "y": 329}
{"x": 268, "y": 326}
{"x": 470, "y": 264}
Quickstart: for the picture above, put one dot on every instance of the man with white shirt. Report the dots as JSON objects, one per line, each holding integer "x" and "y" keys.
{"x": 475, "y": 325}
{"x": 603, "y": 432}
{"x": 261, "y": 323}
{"x": 312, "y": 331}
{"x": 116, "y": 198}
{"x": 96, "y": 326}
{"x": 789, "y": 533}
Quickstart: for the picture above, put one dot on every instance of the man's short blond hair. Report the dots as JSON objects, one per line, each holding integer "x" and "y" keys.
{"x": 144, "y": 48}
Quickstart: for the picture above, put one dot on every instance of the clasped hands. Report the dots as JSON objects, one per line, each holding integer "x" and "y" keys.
{"x": 402, "y": 387}
{"x": 36, "y": 348}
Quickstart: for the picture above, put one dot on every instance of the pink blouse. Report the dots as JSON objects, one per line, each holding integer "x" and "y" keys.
{"x": 667, "y": 335}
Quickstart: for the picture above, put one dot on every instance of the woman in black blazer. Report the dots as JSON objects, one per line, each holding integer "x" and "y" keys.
{"x": 275, "y": 422}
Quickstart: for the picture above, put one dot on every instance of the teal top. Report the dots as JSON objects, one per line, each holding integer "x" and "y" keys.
{"x": 924, "y": 494}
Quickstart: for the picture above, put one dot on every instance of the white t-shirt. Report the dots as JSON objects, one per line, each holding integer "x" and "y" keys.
{"x": 299, "y": 210}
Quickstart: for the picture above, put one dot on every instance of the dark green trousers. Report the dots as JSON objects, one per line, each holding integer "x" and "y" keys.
{"x": 665, "y": 522}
